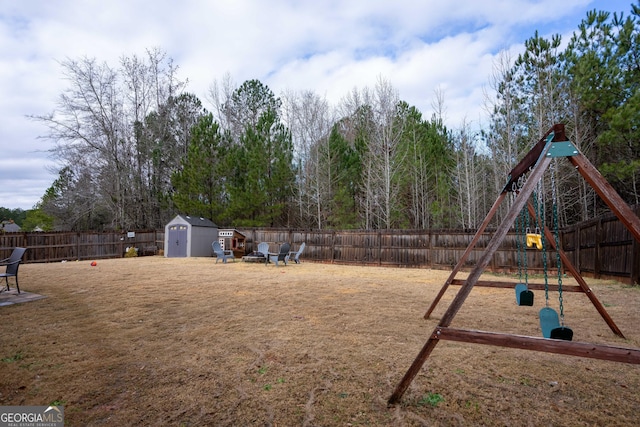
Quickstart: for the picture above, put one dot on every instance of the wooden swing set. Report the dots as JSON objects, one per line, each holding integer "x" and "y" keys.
{"x": 556, "y": 338}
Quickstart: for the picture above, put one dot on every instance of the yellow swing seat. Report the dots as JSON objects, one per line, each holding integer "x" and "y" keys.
{"x": 534, "y": 239}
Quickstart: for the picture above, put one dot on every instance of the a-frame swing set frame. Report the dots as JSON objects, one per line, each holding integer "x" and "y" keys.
{"x": 553, "y": 144}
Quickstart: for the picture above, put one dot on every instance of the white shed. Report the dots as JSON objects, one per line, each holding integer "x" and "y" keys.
{"x": 186, "y": 236}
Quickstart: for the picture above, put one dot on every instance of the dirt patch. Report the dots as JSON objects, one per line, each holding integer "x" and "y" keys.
{"x": 156, "y": 341}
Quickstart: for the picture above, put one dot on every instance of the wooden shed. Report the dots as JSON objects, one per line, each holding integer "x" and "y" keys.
{"x": 230, "y": 238}
{"x": 187, "y": 236}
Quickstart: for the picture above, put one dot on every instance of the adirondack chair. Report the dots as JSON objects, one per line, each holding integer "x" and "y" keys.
{"x": 263, "y": 248}
{"x": 283, "y": 255}
{"x": 12, "y": 263}
{"x": 295, "y": 256}
{"x": 222, "y": 254}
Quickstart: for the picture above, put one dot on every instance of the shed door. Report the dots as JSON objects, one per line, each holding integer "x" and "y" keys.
{"x": 177, "y": 241}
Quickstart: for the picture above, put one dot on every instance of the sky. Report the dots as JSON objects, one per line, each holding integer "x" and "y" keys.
{"x": 330, "y": 47}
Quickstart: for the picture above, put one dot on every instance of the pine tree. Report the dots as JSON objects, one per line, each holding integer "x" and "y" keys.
{"x": 200, "y": 185}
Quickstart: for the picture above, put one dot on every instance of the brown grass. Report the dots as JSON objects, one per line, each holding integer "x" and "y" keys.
{"x": 186, "y": 342}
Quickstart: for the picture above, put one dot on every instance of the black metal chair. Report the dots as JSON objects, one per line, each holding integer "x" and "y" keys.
{"x": 12, "y": 263}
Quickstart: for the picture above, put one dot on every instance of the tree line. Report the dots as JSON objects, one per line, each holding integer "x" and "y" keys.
{"x": 136, "y": 148}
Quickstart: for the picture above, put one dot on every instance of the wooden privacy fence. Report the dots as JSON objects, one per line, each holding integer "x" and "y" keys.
{"x": 601, "y": 248}
{"x": 604, "y": 248}
{"x": 59, "y": 246}
{"x": 399, "y": 248}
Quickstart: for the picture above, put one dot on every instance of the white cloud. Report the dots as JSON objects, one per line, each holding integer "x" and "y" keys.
{"x": 328, "y": 47}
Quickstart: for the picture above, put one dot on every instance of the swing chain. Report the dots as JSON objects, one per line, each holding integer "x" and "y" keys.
{"x": 538, "y": 203}
{"x": 557, "y": 241}
{"x": 525, "y": 259}
{"x": 521, "y": 247}
{"x": 520, "y": 233}
{"x": 518, "y": 247}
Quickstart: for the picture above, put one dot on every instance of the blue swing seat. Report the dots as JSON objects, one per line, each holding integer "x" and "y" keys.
{"x": 550, "y": 325}
{"x": 548, "y": 321}
{"x": 523, "y": 295}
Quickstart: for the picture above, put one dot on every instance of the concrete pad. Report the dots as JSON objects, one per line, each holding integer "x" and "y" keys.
{"x": 13, "y": 297}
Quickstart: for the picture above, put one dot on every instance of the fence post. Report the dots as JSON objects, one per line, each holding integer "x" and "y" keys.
{"x": 333, "y": 245}
{"x": 493, "y": 258}
{"x": 577, "y": 246}
{"x": 429, "y": 249}
{"x": 25, "y": 243}
{"x": 596, "y": 260}
{"x": 635, "y": 263}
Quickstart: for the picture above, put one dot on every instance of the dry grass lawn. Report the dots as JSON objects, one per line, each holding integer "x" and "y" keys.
{"x": 187, "y": 342}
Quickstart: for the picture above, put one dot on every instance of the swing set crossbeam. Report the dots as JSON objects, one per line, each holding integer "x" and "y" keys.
{"x": 570, "y": 348}
{"x": 510, "y": 285}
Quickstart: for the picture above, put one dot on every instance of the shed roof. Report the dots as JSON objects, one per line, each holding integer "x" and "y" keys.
{"x": 9, "y": 226}
{"x": 198, "y": 221}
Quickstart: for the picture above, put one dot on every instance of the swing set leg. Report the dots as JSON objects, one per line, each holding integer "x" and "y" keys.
{"x": 414, "y": 369}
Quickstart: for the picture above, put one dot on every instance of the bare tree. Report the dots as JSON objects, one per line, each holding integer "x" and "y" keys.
{"x": 308, "y": 117}
{"x": 506, "y": 137}
{"x": 219, "y": 95}
{"x": 380, "y": 128}
{"x": 467, "y": 177}
{"x": 97, "y": 125}
{"x": 390, "y": 127}
{"x": 417, "y": 169}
